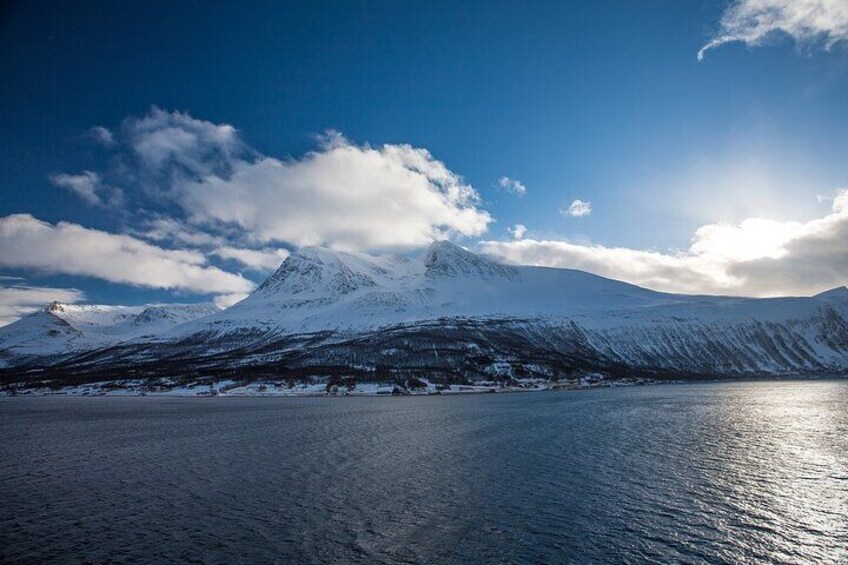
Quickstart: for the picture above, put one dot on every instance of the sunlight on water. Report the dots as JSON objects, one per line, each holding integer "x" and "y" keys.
{"x": 781, "y": 443}
{"x": 703, "y": 473}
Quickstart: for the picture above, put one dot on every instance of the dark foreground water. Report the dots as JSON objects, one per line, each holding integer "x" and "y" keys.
{"x": 715, "y": 473}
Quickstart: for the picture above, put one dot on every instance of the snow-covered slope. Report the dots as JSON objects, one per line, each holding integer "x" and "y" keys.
{"x": 60, "y": 330}
{"x": 450, "y": 310}
{"x": 434, "y": 310}
{"x": 317, "y": 289}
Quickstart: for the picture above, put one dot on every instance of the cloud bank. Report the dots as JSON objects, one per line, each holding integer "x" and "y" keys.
{"x": 808, "y": 22}
{"x": 341, "y": 194}
{"x": 757, "y": 257}
{"x": 29, "y": 243}
{"x": 345, "y": 196}
{"x": 259, "y": 260}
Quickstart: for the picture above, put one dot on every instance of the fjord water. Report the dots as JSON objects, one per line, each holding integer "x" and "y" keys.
{"x": 714, "y": 472}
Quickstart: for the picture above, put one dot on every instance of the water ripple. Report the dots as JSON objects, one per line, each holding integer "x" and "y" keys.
{"x": 707, "y": 473}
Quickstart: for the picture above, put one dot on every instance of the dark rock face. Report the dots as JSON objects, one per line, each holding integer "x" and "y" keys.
{"x": 465, "y": 350}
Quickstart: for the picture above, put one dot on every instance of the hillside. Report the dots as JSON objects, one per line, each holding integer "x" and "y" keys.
{"x": 446, "y": 313}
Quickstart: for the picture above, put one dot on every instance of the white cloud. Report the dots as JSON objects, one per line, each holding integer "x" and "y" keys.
{"x": 757, "y": 257}
{"x": 260, "y": 260}
{"x": 577, "y": 209}
{"x": 646, "y": 268}
{"x": 840, "y": 201}
{"x": 343, "y": 195}
{"x": 18, "y": 299}
{"x": 29, "y": 243}
{"x": 227, "y": 300}
{"x": 207, "y": 189}
{"x": 517, "y": 231}
{"x": 85, "y": 185}
{"x": 808, "y": 22}
{"x": 512, "y": 185}
{"x": 102, "y": 135}
{"x": 169, "y": 229}
{"x": 89, "y": 187}
{"x": 174, "y": 139}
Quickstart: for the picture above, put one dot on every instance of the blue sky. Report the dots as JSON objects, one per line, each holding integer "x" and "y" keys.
{"x": 606, "y": 103}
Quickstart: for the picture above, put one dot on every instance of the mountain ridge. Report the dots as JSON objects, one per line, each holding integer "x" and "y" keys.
{"x": 453, "y": 313}
{"x": 59, "y": 329}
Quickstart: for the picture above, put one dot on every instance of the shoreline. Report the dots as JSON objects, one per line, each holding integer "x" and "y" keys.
{"x": 230, "y": 389}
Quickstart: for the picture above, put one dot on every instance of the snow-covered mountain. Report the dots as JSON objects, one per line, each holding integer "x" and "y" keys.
{"x": 451, "y": 312}
{"x": 317, "y": 289}
{"x": 60, "y": 330}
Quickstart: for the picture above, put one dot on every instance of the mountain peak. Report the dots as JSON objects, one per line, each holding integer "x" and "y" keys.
{"x": 837, "y": 292}
{"x": 319, "y": 270}
{"x": 55, "y": 306}
{"x": 447, "y": 259}
{"x": 836, "y": 297}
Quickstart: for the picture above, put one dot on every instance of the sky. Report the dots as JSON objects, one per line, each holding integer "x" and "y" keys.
{"x": 178, "y": 152}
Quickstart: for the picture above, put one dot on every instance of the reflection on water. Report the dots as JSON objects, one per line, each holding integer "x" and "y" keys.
{"x": 717, "y": 473}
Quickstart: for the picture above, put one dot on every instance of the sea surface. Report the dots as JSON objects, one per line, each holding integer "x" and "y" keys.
{"x": 750, "y": 472}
